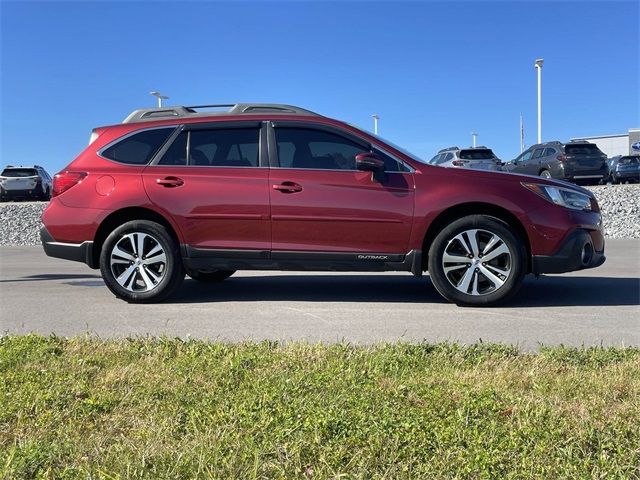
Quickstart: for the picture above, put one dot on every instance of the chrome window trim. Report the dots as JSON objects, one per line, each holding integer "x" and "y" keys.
{"x": 130, "y": 134}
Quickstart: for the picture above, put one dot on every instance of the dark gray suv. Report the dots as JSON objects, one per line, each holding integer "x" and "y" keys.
{"x": 577, "y": 161}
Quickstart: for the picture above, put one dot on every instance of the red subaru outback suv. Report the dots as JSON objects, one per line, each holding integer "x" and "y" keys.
{"x": 210, "y": 190}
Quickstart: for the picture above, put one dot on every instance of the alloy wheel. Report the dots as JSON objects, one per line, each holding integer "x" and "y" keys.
{"x": 477, "y": 262}
{"x": 138, "y": 262}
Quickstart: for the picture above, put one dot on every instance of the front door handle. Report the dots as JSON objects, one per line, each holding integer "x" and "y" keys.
{"x": 288, "y": 187}
{"x": 170, "y": 182}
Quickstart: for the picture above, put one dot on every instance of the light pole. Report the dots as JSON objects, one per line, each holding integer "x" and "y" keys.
{"x": 474, "y": 136}
{"x": 521, "y": 134}
{"x": 375, "y": 123}
{"x": 159, "y": 97}
{"x": 538, "y": 66}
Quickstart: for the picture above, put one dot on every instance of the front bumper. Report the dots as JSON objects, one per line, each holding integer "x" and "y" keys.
{"x": 626, "y": 175}
{"x": 577, "y": 252}
{"x": 77, "y": 252}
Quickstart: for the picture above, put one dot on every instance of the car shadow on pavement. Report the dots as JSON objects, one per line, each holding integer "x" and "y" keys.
{"x": 52, "y": 276}
{"x": 311, "y": 288}
{"x": 570, "y": 291}
{"x": 544, "y": 291}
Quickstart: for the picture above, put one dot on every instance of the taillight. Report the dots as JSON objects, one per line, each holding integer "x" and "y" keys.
{"x": 562, "y": 158}
{"x": 63, "y": 181}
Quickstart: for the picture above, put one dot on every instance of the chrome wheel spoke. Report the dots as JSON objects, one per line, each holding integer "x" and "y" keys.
{"x": 497, "y": 281}
{"x": 118, "y": 252}
{"x": 448, "y": 258}
{"x": 474, "y": 290}
{"x": 490, "y": 244}
{"x": 160, "y": 258}
{"x": 154, "y": 250}
{"x": 472, "y": 235}
{"x": 124, "y": 276}
{"x": 461, "y": 240}
{"x": 501, "y": 250}
{"x": 146, "y": 279}
{"x": 455, "y": 267}
{"x": 141, "y": 237}
{"x": 463, "y": 286}
{"x": 134, "y": 248}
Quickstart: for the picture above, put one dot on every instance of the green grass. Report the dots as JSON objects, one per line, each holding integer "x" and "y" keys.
{"x": 159, "y": 408}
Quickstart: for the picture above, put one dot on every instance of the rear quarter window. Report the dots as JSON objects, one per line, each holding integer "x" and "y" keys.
{"x": 139, "y": 148}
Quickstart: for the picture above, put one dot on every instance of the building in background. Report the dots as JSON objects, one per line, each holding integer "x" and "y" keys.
{"x": 621, "y": 144}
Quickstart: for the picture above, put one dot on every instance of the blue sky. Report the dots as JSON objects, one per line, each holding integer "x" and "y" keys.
{"x": 433, "y": 71}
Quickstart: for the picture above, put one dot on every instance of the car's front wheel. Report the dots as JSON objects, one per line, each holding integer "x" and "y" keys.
{"x": 140, "y": 262}
{"x": 477, "y": 260}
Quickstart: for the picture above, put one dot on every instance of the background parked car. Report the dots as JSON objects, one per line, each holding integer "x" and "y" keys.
{"x": 476, "y": 158}
{"x": 624, "y": 168}
{"x": 578, "y": 161}
{"x": 25, "y": 182}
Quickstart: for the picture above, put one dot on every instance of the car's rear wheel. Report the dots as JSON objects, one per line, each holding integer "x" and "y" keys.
{"x": 545, "y": 174}
{"x": 140, "y": 262}
{"x": 477, "y": 261}
{"x": 212, "y": 276}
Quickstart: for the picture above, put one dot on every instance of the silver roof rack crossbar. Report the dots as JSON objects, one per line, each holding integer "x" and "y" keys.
{"x": 149, "y": 114}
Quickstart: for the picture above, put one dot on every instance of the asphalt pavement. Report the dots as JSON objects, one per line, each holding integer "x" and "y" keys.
{"x": 590, "y": 307}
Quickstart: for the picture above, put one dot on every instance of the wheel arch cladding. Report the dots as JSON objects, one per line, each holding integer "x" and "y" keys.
{"x": 119, "y": 217}
{"x": 455, "y": 212}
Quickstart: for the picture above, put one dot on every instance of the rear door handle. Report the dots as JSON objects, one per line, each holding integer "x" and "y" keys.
{"x": 170, "y": 182}
{"x": 288, "y": 187}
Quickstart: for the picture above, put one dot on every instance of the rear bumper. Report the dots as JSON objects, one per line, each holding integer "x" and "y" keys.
{"x": 577, "y": 252}
{"x": 77, "y": 252}
{"x": 35, "y": 192}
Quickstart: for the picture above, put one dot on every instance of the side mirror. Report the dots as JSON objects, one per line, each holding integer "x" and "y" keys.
{"x": 369, "y": 162}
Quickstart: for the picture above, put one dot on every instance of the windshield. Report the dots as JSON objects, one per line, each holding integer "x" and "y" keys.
{"x": 629, "y": 161}
{"x": 19, "y": 172}
{"x": 477, "y": 154}
{"x": 391, "y": 144}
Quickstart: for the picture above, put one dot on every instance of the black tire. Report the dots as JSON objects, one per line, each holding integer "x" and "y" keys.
{"x": 517, "y": 261}
{"x": 172, "y": 270}
{"x": 214, "y": 276}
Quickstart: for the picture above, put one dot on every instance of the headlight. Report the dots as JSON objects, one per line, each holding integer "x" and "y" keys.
{"x": 565, "y": 197}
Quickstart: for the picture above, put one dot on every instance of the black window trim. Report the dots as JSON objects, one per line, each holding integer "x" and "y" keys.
{"x": 188, "y": 127}
{"x": 274, "y": 161}
{"x": 135, "y": 132}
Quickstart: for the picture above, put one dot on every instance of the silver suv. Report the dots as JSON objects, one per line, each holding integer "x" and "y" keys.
{"x": 25, "y": 182}
{"x": 476, "y": 158}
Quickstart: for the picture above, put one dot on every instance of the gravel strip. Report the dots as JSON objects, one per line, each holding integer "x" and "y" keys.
{"x": 620, "y": 205}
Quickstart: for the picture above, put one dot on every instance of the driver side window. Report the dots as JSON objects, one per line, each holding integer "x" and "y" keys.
{"x": 524, "y": 157}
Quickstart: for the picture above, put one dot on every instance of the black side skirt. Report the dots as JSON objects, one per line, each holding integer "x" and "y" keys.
{"x": 214, "y": 259}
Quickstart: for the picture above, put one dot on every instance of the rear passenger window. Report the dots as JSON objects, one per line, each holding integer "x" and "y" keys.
{"x": 538, "y": 153}
{"x": 549, "y": 151}
{"x": 231, "y": 147}
{"x": 177, "y": 152}
{"x": 139, "y": 148}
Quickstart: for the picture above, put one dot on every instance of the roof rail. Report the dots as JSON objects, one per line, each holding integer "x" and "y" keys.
{"x": 448, "y": 148}
{"x": 161, "y": 113}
